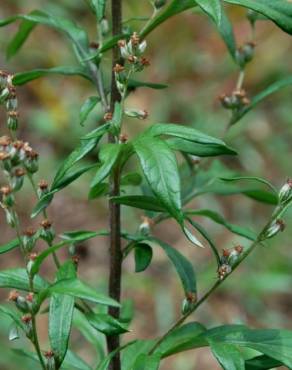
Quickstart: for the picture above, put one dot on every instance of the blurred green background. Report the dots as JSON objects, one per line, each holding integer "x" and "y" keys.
{"x": 187, "y": 54}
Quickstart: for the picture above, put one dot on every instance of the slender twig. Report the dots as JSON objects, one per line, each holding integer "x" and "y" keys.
{"x": 240, "y": 80}
{"x": 219, "y": 282}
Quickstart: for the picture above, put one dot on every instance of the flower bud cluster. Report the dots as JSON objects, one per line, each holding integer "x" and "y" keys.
{"x": 189, "y": 302}
{"x": 9, "y": 99}
{"x": 228, "y": 259}
{"x": 236, "y": 101}
{"x": 274, "y": 228}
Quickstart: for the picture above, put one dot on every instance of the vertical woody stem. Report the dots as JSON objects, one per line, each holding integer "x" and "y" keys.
{"x": 115, "y": 253}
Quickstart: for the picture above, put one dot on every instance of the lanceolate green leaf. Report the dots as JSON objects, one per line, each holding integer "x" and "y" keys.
{"x": 252, "y": 178}
{"x": 75, "y": 34}
{"x": 216, "y": 217}
{"x": 134, "y": 84}
{"x": 18, "y": 279}
{"x": 9, "y": 246}
{"x": 20, "y": 37}
{"x": 216, "y": 12}
{"x": 160, "y": 169}
{"x": 228, "y": 356}
{"x": 276, "y": 86}
{"x": 108, "y": 157}
{"x": 87, "y": 107}
{"x": 201, "y": 150}
{"x": 22, "y": 78}
{"x": 78, "y": 289}
{"x": 140, "y": 201}
{"x": 143, "y": 256}
{"x": 262, "y": 363}
{"x": 279, "y": 11}
{"x": 175, "y": 7}
{"x": 147, "y": 362}
{"x": 106, "y": 324}
{"x": 61, "y": 314}
{"x": 183, "y": 266}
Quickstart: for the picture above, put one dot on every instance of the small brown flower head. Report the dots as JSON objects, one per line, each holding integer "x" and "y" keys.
{"x": 12, "y": 92}
{"x": 75, "y": 259}
{"x": 132, "y": 59}
{"x": 5, "y": 141}
{"x": 46, "y": 224}
{"x": 49, "y": 354}
{"x": 145, "y": 62}
{"x": 18, "y": 144}
{"x": 122, "y": 43}
{"x": 4, "y": 156}
{"x": 19, "y": 172}
{"x": 135, "y": 39}
{"x": 191, "y": 297}
{"x": 13, "y": 296}
{"x": 30, "y": 232}
{"x": 5, "y": 190}
{"x": 123, "y": 138}
{"x": 32, "y": 256}
{"x": 29, "y": 297}
{"x": 147, "y": 221}
{"x": 31, "y": 154}
{"x": 238, "y": 249}
{"x": 281, "y": 224}
{"x": 26, "y": 319}
{"x": 108, "y": 116}
{"x": 226, "y": 253}
{"x": 13, "y": 114}
{"x": 94, "y": 45}
{"x": 43, "y": 185}
{"x": 118, "y": 68}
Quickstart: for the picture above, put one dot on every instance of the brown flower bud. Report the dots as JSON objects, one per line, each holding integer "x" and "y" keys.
{"x": 122, "y": 43}
{"x": 75, "y": 259}
{"x": 30, "y": 297}
{"x": 132, "y": 59}
{"x": 4, "y": 156}
{"x": 46, "y": 224}
{"x": 49, "y": 354}
{"x": 43, "y": 185}
{"x": 13, "y": 295}
{"x": 26, "y": 319}
{"x": 13, "y": 114}
{"x": 5, "y": 141}
{"x": 238, "y": 249}
{"x": 145, "y": 62}
{"x": 29, "y": 232}
{"x": 32, "y": 256}
{"x": 191, "y": 297}
{"x": 5, "y": 190}
{"x": 108, "y": 116}
{"x": 123, "y": 138}
{"x": 135, "y": 39}
{"x": 18, "y": 144}
{"x": 118, "y": 68}
{"x": 19, "y": 172}
{"x": 226, "y": 252}
{"x": 94, "y": 45}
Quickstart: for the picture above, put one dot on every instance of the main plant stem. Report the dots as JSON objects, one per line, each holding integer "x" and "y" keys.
{"x": 115, "y": 252}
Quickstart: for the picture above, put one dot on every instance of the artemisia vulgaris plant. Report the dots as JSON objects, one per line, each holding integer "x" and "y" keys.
{"x": 159, "y": 195}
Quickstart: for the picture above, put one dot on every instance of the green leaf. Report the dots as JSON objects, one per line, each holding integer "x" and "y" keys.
{"x": 216, "y": 12}
{"x": 252, "y": 178}
{"x": 87, "y": 107}
{"x": 72, "y": 360}
{"x": 216, "y": 217}
{"x": 183, "y": 132}
{"x": 262, "y": 363}
{"x": 106, "y": 324}
{"x": 74, "y": 33}
{"x": 104, "y": 364}
{"x": 71, "y": 176}
{"x": 43, "y": 203}
{"x": 183, "y": 266}
{"x": 201, "y": 150}
{"x": 98, "y": 191}
{"x": 24, "y": 77}
{"x": 78, "y": 289}
{"x": 161, "y": 171}
{"x": 134, "y": 84}
{"x": 12, "y": 314}
{"x": 132, "y": 178}
{"x": 109, "y": 154}
{"x": 81, "y": 235}
{"x": 18, "y": 279}
{"x": 175, "y": 7}
{"x": 85, "y": 147}
{"x": 147, "y": 362}
{"x": 97, "y": 133}
{"x": 279, "y": 11}
{"x": 228, "y": 356}
{"x": 140, "y": 201}
{"x": 143, "y": 256}
{"x": 20, "y": 37}
{"x": 99, "y": 6}
{"x": 9, "y": 246}
{"x": 61, "y": 315}
{"x": 133, "y": 351}
{"x": 179, "y": 339}
{"x": 287, "y": 81}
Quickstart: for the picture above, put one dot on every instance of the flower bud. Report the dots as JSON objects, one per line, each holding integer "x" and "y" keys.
{"x": 12, "y": 120}
{"x": 4, "y": 95}
{"x": 17, "y": 152}
{"x": 43, "y": 188}
{"x": 137, "y": 113}
{"x": 7, "y": 196}
{"x": 31, "y": 161}
{"x": 142, "y": 47}
{"x": 286, "y": 191}
{"x": 50, "y": 360}
{"x": 31, "y": 258}
{"x": 5, "y": 142}
{"x": 159, "y": 3}
{"x": 5, "y": 159}
{"x": 27, "y": 320}
{"x": 29, "y": 239}
{"x": 224, "y": 270}
{"x": 145, "y": 226}
{"x": 189, "y": 302}
{"x": 17, "y": 179}
{"x": 47, "y": 232}
{"x": 245, "y": 54}
{"x": 22, "y": 305}
{"x": 274, "y": 229}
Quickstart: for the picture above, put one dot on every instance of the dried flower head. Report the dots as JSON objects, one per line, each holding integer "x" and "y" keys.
{"x": 5, "y": 190}
{"x": 43, "y": 185}
{"x": 13, "y": 296}
{"x": 29, "y": 232}
{"x": 118, "y": 68}
{"x": 46, "y": 224}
